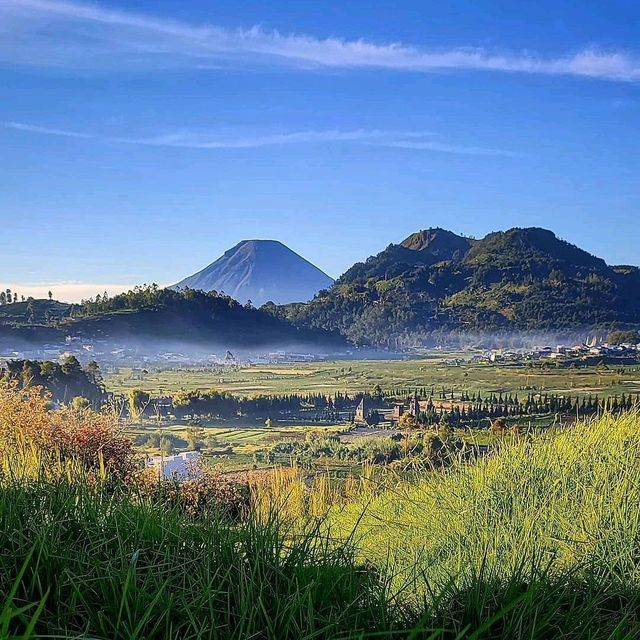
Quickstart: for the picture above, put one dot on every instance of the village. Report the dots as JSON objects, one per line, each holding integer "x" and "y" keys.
{"x": 585, "y": 354}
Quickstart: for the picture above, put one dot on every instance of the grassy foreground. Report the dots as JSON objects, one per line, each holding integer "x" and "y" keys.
{"x": 542, "y": 540}
{"x": 546, "y": 532}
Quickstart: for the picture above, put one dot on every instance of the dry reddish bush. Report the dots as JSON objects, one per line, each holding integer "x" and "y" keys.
{"x": 94, "y": 439}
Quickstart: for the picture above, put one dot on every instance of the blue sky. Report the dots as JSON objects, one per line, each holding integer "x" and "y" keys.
{"x": 139, "y": 139}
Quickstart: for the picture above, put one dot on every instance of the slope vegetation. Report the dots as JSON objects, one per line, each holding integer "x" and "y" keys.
{"x": 187, "y": 317}
{"x": 435, "y": 281}
{"x": 538, "y": 541}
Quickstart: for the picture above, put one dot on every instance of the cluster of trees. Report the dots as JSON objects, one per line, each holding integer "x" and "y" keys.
{"x": 7, "y": 297}
{"x": 477, "y": 412}
{"x": 11, "y": 297}
{"x": 149, "y": 297}
{"x": 220, "y": 405}
{"x": 187, "y": 315}
{"x": 66, "y": 381}
{"x": 444, "y": 407}
{"x": 140, "y": 297}
{"x": 427, "y": 447}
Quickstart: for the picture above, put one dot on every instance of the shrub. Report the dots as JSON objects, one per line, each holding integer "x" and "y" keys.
{"x": 205, "y": 491}
{"x": 28, "y": 427}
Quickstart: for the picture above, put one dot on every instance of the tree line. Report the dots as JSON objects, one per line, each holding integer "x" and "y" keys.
{"x": 65, "y": 381}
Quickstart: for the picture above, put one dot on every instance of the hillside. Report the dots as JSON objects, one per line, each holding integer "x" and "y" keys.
{"x": 187, "y": 318}
{"x": 538, "y": 540}
{"x": 33, "y": 311}
{"x": 436, "y": 281}
{"x": 260, "y": 271}
{"x": 24, "y": 325}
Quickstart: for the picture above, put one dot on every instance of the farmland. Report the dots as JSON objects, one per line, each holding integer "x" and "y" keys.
{"x": 233, "y": 448}
{"x": 359, "y": 376}
{"x": 240, "y": 442}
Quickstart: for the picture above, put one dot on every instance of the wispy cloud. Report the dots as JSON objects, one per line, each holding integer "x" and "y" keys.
{"x": 427, "y": 145}
{"x": 416, "y": 140}
{"x": 204, "y": 140}
{"x": 74, "y": 35}
{"x": 29, "y": 128}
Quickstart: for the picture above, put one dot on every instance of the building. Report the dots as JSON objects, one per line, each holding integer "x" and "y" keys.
{"x": 398, "y": 411}
{"x": 177, "y": 467}
{"x": 361, "y": 414}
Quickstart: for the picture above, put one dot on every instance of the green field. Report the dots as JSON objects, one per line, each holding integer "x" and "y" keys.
{"x": 353, "y": 376}
{"x": 232, "y": 448}
{"x": 238, "y": 443}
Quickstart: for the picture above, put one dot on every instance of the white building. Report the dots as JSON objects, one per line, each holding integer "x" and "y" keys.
{"x": 177, "y": 467}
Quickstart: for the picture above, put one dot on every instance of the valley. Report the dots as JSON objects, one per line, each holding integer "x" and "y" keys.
{"x": 445, "y": 381}
{"x": 359, "y": 376}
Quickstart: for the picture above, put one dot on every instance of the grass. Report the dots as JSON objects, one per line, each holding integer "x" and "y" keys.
{"x": 561, "y": 507}
{"x": 539, "y": 541}
{"x": 111, "y": 568}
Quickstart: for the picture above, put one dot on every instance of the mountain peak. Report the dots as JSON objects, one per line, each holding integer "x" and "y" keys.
{"x": 438, "y": 242}
{"x": 257, "y": 244}
{"x": 529, "y": 245}
{"x": 426, "y": 238}
{"x": 260, "y": 271}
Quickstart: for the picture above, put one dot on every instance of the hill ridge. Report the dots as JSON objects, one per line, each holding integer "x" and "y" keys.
{"x": 437, "y": 281}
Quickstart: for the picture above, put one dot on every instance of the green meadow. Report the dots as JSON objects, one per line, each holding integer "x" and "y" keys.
{"x": 353, "y": 376}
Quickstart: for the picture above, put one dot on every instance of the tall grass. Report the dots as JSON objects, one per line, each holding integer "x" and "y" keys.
{"x": 296, "y": 495}
{"x": 108, "y": 567}
{"x": 554, "y": 519}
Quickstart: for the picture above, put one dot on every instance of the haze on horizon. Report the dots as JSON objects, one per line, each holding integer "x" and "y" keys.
{"x": 139, "y": 141}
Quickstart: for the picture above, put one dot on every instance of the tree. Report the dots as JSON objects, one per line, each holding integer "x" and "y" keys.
{"x": 407, "y": 421}
{"x": 138, "y": 402}
{"x": 93, "y": 371}
{"x": 194, "y": 438}
{"x": 47, "y": 369}
{"x": 50, "y": 295}
{"x": 166, "y": 446}
{"x": 3, "y": 297}
{"x": 445, "y": 430}
{"x": 71, "y": 366}
{"x": 373, "y": 418}
{"x": 154, "y": 440}
{"x": 499, "y": 427}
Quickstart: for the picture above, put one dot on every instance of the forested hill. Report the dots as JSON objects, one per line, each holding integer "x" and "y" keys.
{"x": 150, "y": 314}
{"x": 435, "y": 281}
{"x": 190, "y": 316}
